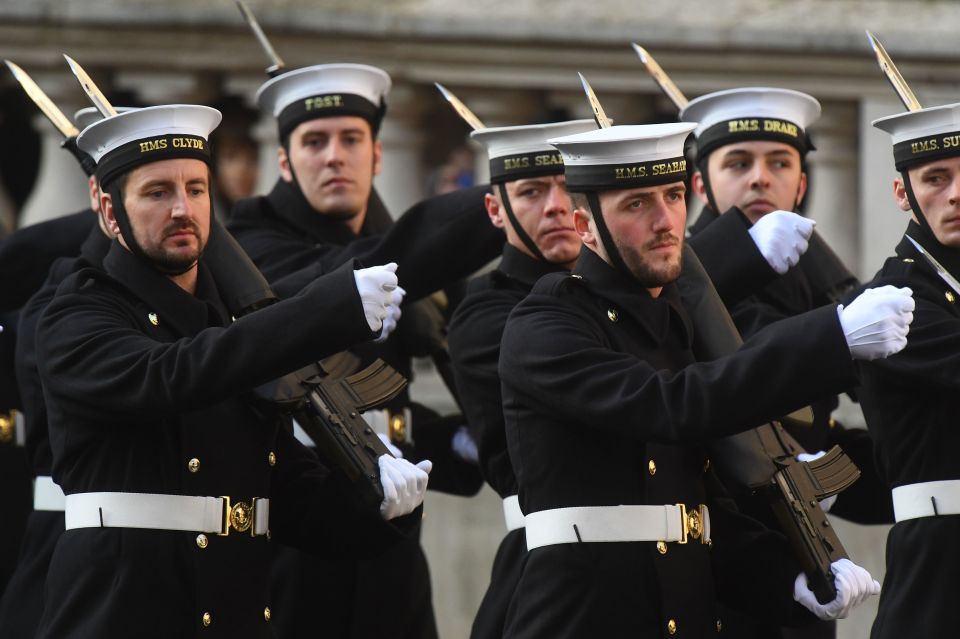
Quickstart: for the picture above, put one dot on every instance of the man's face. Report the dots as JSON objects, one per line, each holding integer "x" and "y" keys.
{"x": 647, "y": 227}
{"x": 758, "y": 177}
{"x": 542, "y": 206}
{"x": 937, "y": 188}
{"x": 236, "y": 165}
{"x": 168, "y": 204}
{"x": 334, "y": 160}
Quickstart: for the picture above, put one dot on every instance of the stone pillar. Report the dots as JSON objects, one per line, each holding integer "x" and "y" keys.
{"x": 401, "y": 180}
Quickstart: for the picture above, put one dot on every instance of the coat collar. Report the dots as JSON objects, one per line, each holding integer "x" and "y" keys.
{"x": 168, "y": 303}
{"x": 706, "y": 216}
{"x": 657, "y": 316}
{"x": 948, "y": 257}
{"x": 96, "y": 246}
{"x": 523, "y": 268}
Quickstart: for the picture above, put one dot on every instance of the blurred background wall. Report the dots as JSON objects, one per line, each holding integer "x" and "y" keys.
{"x": 512, "y": 62}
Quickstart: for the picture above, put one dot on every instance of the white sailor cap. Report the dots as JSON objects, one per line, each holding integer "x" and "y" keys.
{"x": 752, "y": 113}
{"x": 122, "y": 142}
{"x": 623, "y": 157}
{"x": 323, "y": 91}
{"x": 87, "y": 116}
{"x": 520, "y": 152}
{"x": 923, "y": 136}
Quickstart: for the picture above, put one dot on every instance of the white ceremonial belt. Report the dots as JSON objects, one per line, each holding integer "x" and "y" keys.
{"x": 167, "y": 512}
{"x": 926, "y": 499}
{"x": 590, "y": 524}
{"x": 47, "y": 495}
{"x": 512, "y": 514}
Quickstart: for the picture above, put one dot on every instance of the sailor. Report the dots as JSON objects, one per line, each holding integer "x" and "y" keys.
{"x": 323, "y": 210}
{"x": 175, "y": 476}
{"x": 908, "y": 400}
{"x": 606, "y": 411}
{"x": 530, "y": 203}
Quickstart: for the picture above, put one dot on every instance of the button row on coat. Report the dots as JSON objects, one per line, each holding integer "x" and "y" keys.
{"x": 194, "y": 464}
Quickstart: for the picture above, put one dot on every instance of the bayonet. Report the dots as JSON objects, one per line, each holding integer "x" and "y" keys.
{"x": 937, "y": 266}
{"x": 468, "y": 116}
{"x": 661, "y": 78}
{"x": 896, "y": 80}
{"x": 602, "y": 120}
{"x": 277, "y": 65}
{"x": 90, "y": 88}
{"x": 43, "y": 102}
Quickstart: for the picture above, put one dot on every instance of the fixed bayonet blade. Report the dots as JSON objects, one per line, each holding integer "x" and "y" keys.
{"x": 661, "y": 78}
{"x": 93, "y": 92}
{"x": 43, "y": 102}
{"x": 277, "y": 64}
{"x": 468, "y": 116}
{"x": 937, "y": 266}
{"x": 896, "y": 80}
{"x": 602, "y": 120}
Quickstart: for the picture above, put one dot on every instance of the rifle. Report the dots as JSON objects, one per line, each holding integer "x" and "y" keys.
{"x": 763, "y": 460}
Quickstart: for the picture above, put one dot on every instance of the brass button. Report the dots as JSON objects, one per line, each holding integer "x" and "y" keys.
{"x": 153, "y": 318}
{"x": 908, "y": 260}
{"x": 397, "y": 428}
{"x": 652, "y": 467}
{"x": 832, "y": 423}
{"x": 193, "y": 465}
{"x": 709, "y": 543}
{"x": 207, "y": 619}
{"x": 719, "y": 626}
{"x": 950, "y": 297}
{"x": 579, "y": 277}
{"x": 8, "y": 427}
{"x": 662, "y": 547}
{"x": 612, "y": 314}
{"x": 272, "y": 458}
{"x": 266, "y": 614}
{"x": 672, "y": 627}
{"x": 202, "y": 541}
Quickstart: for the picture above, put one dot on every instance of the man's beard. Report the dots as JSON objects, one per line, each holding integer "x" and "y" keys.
{"x": 651, "y": 274}
{"x": 169, "y": 262}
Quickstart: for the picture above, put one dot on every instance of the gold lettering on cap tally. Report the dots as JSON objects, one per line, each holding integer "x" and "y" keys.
{"x": 669, "y": 168}
{"x": 153, "y": 145}
{"x": 924, "y": 146}
{"x": 778, "y": 126}
{"x": 951, "y": 141}
{"x": 322, "y": 102}
{"x": 630, "y": 172}
{"x": 187, "y": 143}
{"x": 743, "y": 126}
{"x": 511, "y": 164}
{"x": 548, "y": 160}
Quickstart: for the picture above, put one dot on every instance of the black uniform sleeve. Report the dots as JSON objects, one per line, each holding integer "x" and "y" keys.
{"x": 731, "y": 258}
{"x": 437, "y": 241}
{"x": 126, "y": 372}
{"x": 554, "y": 356}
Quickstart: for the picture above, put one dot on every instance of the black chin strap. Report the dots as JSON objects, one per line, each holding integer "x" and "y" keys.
{"x": 604, "y": 232}
{"x": 914, "y": 205}
{"x": 515, "y": 223}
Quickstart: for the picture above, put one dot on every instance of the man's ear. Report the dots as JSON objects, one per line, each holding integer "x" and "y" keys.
{"x": 900, "y": 194}
{"x": 283, "y": 160}
{"x": 802, "y": 189}
{"x": 377, "y": 156}
{"x": 109, "y": 218}
{"x": 494, "y": 210}
{"x": 583, "y": 225}
{"x": 696, "y": 182}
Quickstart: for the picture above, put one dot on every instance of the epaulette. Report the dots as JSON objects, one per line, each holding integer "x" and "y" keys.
{"x": 558, "y": 283}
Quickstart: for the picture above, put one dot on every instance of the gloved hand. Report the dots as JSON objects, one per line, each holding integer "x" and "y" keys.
{"x": 377, "y": 286}
{"x": 827, "y": 503}
{"x": 876, "y": 323}
{"x": 782, "y": 237}
{"x": 403, "y": 485}
{"x": 853, "y": 583}
{"x": 393, "y": 315}
{"x": 396, "y": 452}
{"x": 464, "y": 446}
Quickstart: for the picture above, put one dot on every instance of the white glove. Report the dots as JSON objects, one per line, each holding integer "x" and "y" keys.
{"x": 782, "y": 237}
{"x": 876, "y": 323}
{"x": 376, "y": 286}
{"x": 853, "y": 583}
{"x": 403, "y": 485}
{"x": 464, "y": 446}
{"x": 827, "y": 503}
{"x": 393, "y": 315}
{"x": 396, "y": 452}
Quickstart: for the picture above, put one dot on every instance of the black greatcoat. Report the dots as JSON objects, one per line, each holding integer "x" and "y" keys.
{"x": 22, "y": 603}
{"x": 758, "y": 301}
{"x": 599, "y": 384}
{"x": 908, "y": 400}
{"x": 435, "y": 243}
{"x": 475, "y": 333}
{"x": 140, "y": 378}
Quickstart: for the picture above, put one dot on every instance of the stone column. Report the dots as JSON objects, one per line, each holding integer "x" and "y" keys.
{"x": 401, "y": 179}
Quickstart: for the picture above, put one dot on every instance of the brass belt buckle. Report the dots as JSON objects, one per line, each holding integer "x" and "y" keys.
{"x": 239, "y": 516}
{"x": 692, "y": 523}
{"x": 397, "y": 426}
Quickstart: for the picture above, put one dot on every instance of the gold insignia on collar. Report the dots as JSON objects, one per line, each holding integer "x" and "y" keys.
{"x": 613, "y": 315}
{"x": 153, "y": 319}
{"x": 950, "y": 297}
